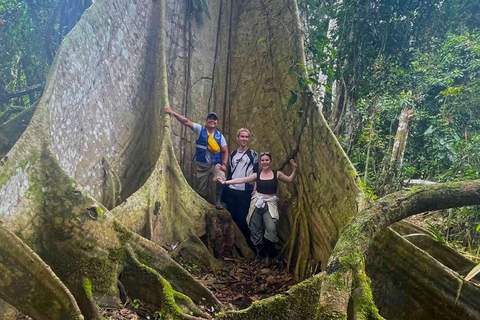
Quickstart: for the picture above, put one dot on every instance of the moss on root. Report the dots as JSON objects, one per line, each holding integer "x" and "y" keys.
{"x": 87, "y": 287}
{"x": 5, "y": 175}
{"x": 146, "y": 284}
{"x": 77, "y": 244}
{"x": 301, "y": 302}
{"x": 365, "y": 308}
{"x": 124, "y": 235}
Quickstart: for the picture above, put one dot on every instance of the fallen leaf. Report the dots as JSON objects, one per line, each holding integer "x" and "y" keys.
{"x": 254, "y": 298}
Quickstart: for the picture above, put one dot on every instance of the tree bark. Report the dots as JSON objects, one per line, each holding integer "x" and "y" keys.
{"x": 392, "y": 173}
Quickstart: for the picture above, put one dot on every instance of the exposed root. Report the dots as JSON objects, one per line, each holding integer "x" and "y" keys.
{"x": 146, "y": 284}
{"x": 194, "y": 251}
{"x": 364, "y": 307}
{"x": 7, "y": 311}
{"x": 158, "y": 259}
{"x": 29, "y": 284}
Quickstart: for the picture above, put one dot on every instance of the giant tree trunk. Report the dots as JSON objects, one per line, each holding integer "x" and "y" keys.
{"x": 99, "y": 141}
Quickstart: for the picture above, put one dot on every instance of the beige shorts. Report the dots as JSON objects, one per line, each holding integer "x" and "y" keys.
{"x": 203, "y": 173}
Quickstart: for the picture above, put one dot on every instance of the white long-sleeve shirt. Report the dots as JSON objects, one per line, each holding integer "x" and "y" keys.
{"x": 259, "y": 202}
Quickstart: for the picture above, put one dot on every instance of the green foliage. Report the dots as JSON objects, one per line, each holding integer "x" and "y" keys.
{"x": 390, "y": 55}
{"x": 436, "y": 233}
{"x": 136, "y": 304}
{"x": 304, "y": 81}
{"x": 30, "y": 33}
{"x": 368, "y": 191}
{"x": 23, "y": 60}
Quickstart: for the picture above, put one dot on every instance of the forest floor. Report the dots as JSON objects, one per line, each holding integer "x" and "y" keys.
{"x": 237, "y": 285}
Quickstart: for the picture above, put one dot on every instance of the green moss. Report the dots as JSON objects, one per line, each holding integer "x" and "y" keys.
{"x": 32, "y": 158}
{"x": 123, "y": 233}
{"x": 338, "y": 281}
{"x": 349, "y": 239}
{"x": 100, "y": 271}
{"x": 116, "y": 254}
{"x": 34, "y": 191}
{"x": 99, "y": 212}
{"x": 171, "y": 306}
{"x": 145, "y": 276}
{"x": 87, "y": 287}
{"x": 103, "y": 273}
{"x": 364, "y": 304}
{"x": 275, "y": 308}
{"x": 413, "y": 190}
{"x": 351, "y": 260}
{"x": 5, "y": 175}
{"x": 40, "y": 298}
{"x": 144, "y": 257}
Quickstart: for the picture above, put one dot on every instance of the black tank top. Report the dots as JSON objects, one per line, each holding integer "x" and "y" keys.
{"x": 267, "y": 186}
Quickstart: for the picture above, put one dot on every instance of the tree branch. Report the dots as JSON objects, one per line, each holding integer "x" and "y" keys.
{"x": 22, "y": 92}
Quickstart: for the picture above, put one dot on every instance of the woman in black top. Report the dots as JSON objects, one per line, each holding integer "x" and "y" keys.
{"x": 263, "y": 214}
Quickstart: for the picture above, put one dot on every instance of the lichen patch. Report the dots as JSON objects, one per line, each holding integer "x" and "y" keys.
{"x": 13, "y": 190}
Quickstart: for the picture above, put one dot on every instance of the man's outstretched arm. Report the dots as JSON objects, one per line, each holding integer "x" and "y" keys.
{"x": 183, "y": 120}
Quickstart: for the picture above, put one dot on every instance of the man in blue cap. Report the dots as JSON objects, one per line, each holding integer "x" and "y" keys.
{"x": 211, "y": 153}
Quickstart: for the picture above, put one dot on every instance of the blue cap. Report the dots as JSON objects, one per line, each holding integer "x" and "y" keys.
{"x": 212, "y": 115}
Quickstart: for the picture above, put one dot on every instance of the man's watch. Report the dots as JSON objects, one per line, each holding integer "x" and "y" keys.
{"x": 224, "y": 164}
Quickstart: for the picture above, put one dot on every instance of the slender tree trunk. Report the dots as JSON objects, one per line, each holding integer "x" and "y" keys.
{"x": 400, "y": 142}
{"x": 367, "y": 159}
{"x": 52, "y": 20}
{"x": 393, "y": 170}
{"x": 21, "y": 93}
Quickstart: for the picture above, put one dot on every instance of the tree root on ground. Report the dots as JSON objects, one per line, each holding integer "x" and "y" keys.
{"x": 300, "y": 302}
{"x": 149, "y": 286}
{"x": 24, "y": 272}
{"x": 156, "y": 258}
{"x": 194, "y": 251}
{"x": 346, "y": 270}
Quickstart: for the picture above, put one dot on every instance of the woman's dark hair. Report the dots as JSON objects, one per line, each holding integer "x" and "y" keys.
{"x": 266, "y": 153}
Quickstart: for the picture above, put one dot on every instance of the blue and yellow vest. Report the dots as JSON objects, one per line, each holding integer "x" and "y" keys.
{"x": 202, "y": 141}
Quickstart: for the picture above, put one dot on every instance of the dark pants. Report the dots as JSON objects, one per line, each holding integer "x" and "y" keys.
{"x": 262, "y": 225}
{"x": 238, "y": 203}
